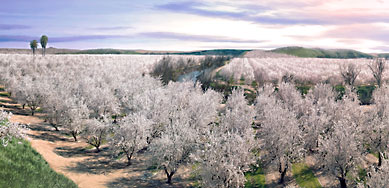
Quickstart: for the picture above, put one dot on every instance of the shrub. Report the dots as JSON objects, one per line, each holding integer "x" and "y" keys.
{"x": 365, "y": 94}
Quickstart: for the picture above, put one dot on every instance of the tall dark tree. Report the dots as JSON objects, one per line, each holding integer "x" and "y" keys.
{"x": 34, "y": 46}
{"x": 44, "y": 40}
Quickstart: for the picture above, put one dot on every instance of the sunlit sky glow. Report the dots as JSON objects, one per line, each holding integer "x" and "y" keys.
{"x": 194, "y": 25}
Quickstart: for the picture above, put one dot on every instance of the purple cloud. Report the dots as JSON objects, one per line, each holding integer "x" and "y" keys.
{"x": 112, "y": 28}
{"x": 189, "y": 7}
{"x": 200, "y": 38}
{"x": 83, "y": 38}
{"x": 359, "y": 31}
{"x": 154, "y": 35}
{"x": 382, "y": 48}
{"x": 22, "y": 38}
{"x": 13, "y": 26}
{"x": 249, "y": 12}
{"x": 15, "y": 38}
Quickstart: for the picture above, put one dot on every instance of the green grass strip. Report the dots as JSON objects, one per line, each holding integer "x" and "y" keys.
{"x": 21, "y": 166}
{"x": 304, "y": 176}
{"x": 255, "y": 178}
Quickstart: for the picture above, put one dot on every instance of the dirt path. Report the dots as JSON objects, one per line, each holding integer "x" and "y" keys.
{"x": 84, "y": 166}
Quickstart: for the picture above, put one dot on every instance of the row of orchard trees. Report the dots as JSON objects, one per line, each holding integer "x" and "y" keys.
{"x": 180, "y": 124}
{"x": 43, "y": 41}
{"x": 305, "y": 71}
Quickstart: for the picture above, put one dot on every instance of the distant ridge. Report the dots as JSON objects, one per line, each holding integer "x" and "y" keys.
{"x": 39, "y": 51}
{"x": 279, "y": 52}
{"x": 226, "y": 52}
{"x": 321, "y": 53}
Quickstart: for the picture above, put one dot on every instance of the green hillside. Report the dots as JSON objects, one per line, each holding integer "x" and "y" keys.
{"x": 22, "y": 167}
{"x": 383, "y": 55}
{"x": 321, "y": 53}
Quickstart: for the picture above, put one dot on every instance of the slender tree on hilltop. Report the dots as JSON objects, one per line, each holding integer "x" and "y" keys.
{"x": 34, "y": 46}
{"x": 44, "y": 40}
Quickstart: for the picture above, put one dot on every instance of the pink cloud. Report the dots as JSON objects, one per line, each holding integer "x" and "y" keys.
{"x": 359, "y": 31}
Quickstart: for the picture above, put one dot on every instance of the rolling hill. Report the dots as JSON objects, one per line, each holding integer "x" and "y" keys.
{"x": 321, "y": 53}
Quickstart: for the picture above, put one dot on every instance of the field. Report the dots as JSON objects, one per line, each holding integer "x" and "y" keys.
{"x": 132, "y": 121}
{"x": 305, "y": 70}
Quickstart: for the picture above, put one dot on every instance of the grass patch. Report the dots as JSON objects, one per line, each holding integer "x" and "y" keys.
{"x": 362, "y": 174}
{"x": 304, "y": 176}
{"x": 153, "y": 168}
{"x": 255, "y": 178}
{"x": 88, "y": 147}
{"x": 22, "y": 166}
{"x": 376, "y": 154}
{"x": 194, "y": 176}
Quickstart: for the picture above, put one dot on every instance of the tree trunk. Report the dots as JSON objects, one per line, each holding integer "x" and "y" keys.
{"x": 129, "y": 159}
{"x": 97, "y": 144}
{"x": 342, "y": 182}
{"x": 379, "y": 159}
{"x": 114, "y": 120}
{"x": 74, "y": 134}
{"x": 129, "y": 156}
{"x": 283, "y": 173}
{"x": 169, "y": 176}
{"x": 53, "y": 125}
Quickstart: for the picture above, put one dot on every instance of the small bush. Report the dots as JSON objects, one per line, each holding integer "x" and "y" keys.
{"x": 303, "y": 89}
{"x": 340, "y": 89}
{"x": 250, "y": 96}
{"x": 365, "y": 94}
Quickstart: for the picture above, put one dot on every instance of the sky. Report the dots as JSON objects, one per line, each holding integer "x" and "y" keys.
{"x": 184, "y": 25}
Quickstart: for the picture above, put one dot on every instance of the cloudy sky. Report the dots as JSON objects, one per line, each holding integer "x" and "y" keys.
{"x": 193, "y": 25}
